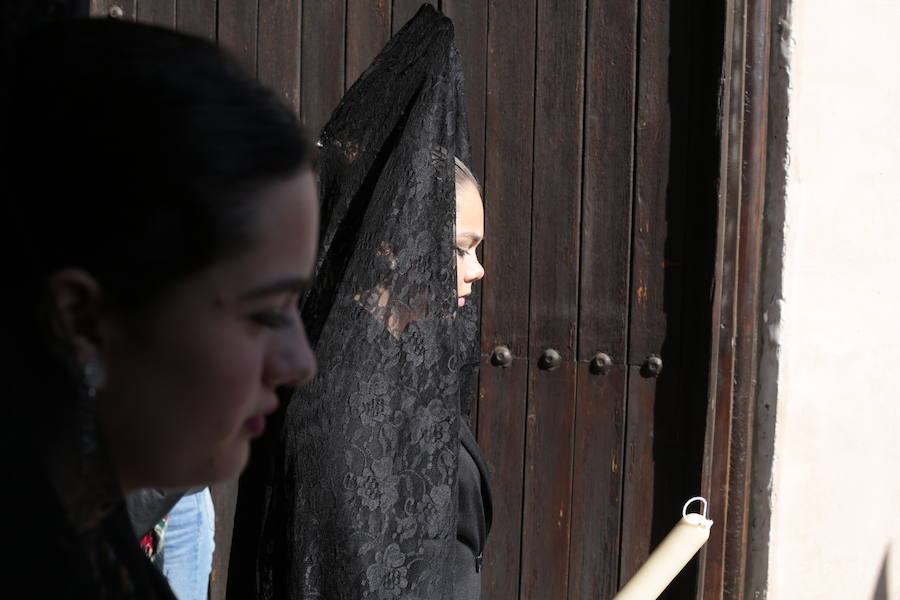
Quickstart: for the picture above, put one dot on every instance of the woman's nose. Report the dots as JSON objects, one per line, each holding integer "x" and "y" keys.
{"x": 475, "y": 271}
{"x": 292, "y": 361}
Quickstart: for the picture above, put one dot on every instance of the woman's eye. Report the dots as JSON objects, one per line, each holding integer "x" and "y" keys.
{"x": 271, "y": 319}
{"x": 461, "y": 252}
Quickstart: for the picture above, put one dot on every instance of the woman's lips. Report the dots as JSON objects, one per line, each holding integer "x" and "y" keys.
{"x": 255, "y": 426}
{"x": 461, "y": 301}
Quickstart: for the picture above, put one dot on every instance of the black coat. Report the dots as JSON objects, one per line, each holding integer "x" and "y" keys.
{"x": 474, "y": 517}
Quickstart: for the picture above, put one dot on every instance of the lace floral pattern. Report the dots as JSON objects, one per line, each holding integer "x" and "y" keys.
{"x": 359, "y": 500}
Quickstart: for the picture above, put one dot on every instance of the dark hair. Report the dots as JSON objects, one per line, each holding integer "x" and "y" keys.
{"x": 132, "y": 152}
{"x": 137, "y": 151}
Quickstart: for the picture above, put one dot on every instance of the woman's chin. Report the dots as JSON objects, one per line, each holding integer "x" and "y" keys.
{"x": 232, "y": 465}
{"x": 224, "y": 467}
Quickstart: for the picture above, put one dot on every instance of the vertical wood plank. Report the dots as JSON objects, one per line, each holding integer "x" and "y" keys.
{"x": 648, "y": 315}
{"x": 237, "y": 31}
{"x": 197, "y": 17}
{"x": 718, "y": 436}
{"x": 603, "y": 312}
{"x": 597, "y": 483}
{"x": 322, "y": 63}
{"x": 608, "y": 168}
{"x": 637, "y": 501}
{"x": 470, "y": 24}
{"x": 404, "y": 10}
{"x": 749, "y": 262}
{"x": 556, "y": 209}
{"x": 508, "y": 176}
{"x": 368, "y": 30}
{"x": 501, "y": 436}
{"x": 718, "y": 442}
{"x": 157, "y": 12}
{"x": 654, "y": 292}
{"x": 279, "y": 48}
{"x": 509, "y": 110}
{"x": 548, "y": 482}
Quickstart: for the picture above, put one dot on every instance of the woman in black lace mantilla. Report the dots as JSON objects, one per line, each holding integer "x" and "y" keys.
{"x": 374, "y": 487}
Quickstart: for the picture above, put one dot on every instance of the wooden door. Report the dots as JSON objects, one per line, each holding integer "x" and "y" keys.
{"x": 593, "y": 126}
{"x": 600, "y": 172}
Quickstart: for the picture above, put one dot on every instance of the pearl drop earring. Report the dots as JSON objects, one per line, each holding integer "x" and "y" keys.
{"x": 94, "y": 376}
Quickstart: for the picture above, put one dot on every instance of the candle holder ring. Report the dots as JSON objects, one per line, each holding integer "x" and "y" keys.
{"x": 695, "y": 518}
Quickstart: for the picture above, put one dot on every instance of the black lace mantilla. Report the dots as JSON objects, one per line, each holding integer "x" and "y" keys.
{"x": 355, "y": 494}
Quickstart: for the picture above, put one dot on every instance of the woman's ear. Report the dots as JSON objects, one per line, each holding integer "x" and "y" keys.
{"x": 75, "y": 303}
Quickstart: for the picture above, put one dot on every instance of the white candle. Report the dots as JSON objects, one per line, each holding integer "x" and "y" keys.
{"x": 670, "y": 557}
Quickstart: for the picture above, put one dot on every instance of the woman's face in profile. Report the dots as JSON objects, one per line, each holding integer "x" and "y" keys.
{"x": 469, "y": 233}
{"x": 190, "y": 383}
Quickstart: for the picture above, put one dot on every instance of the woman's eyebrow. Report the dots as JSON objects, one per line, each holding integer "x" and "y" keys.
{"x": 297, "y": 285}
{"x": 472, "y": 236}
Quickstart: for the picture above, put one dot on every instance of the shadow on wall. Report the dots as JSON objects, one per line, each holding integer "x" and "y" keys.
{"x": 881, "y": 586}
